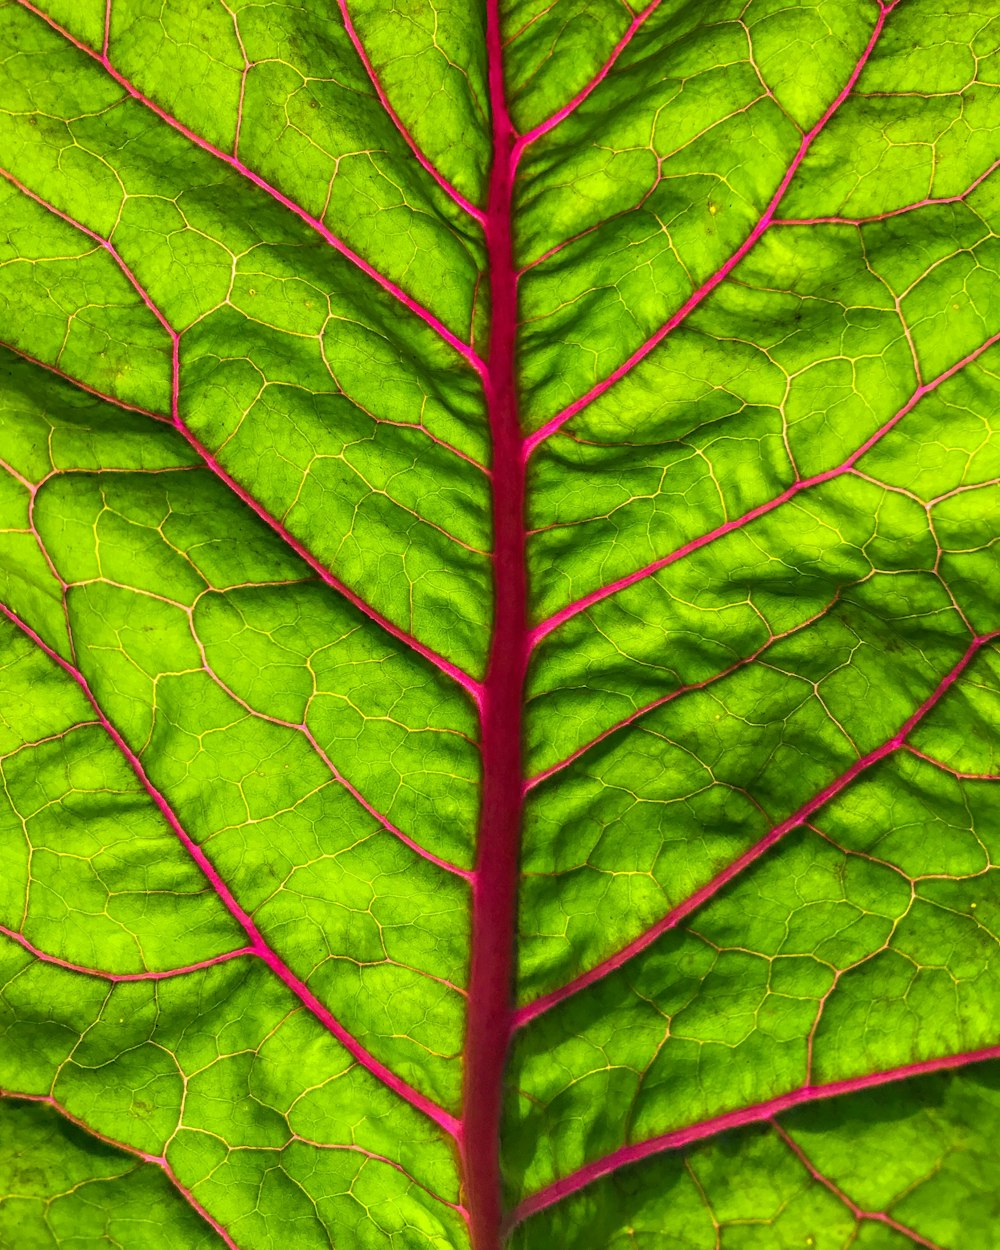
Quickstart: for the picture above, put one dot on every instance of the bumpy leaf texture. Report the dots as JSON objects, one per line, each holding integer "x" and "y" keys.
{"x": 499, "y": 631}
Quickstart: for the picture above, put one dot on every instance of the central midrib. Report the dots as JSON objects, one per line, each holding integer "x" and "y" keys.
{"x": 494, "y": 891}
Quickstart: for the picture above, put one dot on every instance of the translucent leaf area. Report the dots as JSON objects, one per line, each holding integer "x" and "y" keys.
{"x": 499, "y": 625}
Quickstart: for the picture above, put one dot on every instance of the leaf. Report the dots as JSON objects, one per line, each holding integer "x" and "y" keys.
{"x": 499, "y": 632}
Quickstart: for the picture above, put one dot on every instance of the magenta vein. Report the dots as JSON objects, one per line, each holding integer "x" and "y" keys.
{"x": 123, "y": 976}
{"x": 539, "y": 1006}
{"x": 445, "y": 666}
{"x": 390, "y": 287}
{"x": 298, "y": 988}
{"x": 690, "y": 688}
{"x": 928, "y": 202}
{"x": 451, "y": 191}
{"x": 494, "y": 893}
{"x": 420, "y": 428}
{"x": 383, "y": 820}
{"x": 560, "y": 115}
{"x": 626, "y": 1155}
{"x": 603, "y": 592}
{"x": 560, "y": 419}
{"x": 858, "y": 1212}
{"x": 953, "y": 772}
{"x": 159, "y": 1161}
{"x": 303, "y": 729}
{"x": 353, "y": 1148}
{"x": 162, "y": 417}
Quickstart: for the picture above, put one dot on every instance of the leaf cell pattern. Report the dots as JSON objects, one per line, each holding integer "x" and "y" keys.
{"x": 498, "y": 623}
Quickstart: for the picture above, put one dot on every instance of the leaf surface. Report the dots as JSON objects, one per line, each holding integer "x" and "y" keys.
{"x": 499, "y": 636}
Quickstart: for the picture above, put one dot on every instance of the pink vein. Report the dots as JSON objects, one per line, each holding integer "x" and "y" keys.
{"x": 464, "y": 350}
{"x": 123, "y": 976}
{"x": 494, "y": 894}
{"x": 733, "y": 1120}
{"x": 157, "y": 1160}
{"x": 603, "y": 592}
{"x": 452, "y": 192}
{"x": 303, "y": 729}
{"x": 952, "y": 772}
{"x": 560, "y": 115}
{"x": 538, "y": 778}
{"x": 376, "y": 1158}
{"x": 929, "y": 202}
{"x": 83, "y": 386}
{"x": 859, "y": 1213}
{"x": 375, "y": 814}
{"x": 560, "y": 419}
{"x": 297, "y": 987}
{"x": 439, "y": 661}
{"x": 542, "y": 1004}
{"x": 445, "y": 666}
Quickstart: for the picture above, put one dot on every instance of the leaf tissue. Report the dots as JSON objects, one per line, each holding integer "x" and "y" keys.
{"x": 499, "y": 621}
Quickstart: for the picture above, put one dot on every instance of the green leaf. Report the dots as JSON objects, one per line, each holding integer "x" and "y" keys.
{"x": 499, "y": 667}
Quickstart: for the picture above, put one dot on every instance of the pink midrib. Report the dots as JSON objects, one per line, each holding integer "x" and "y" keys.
{"x": 494, "y": 891}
